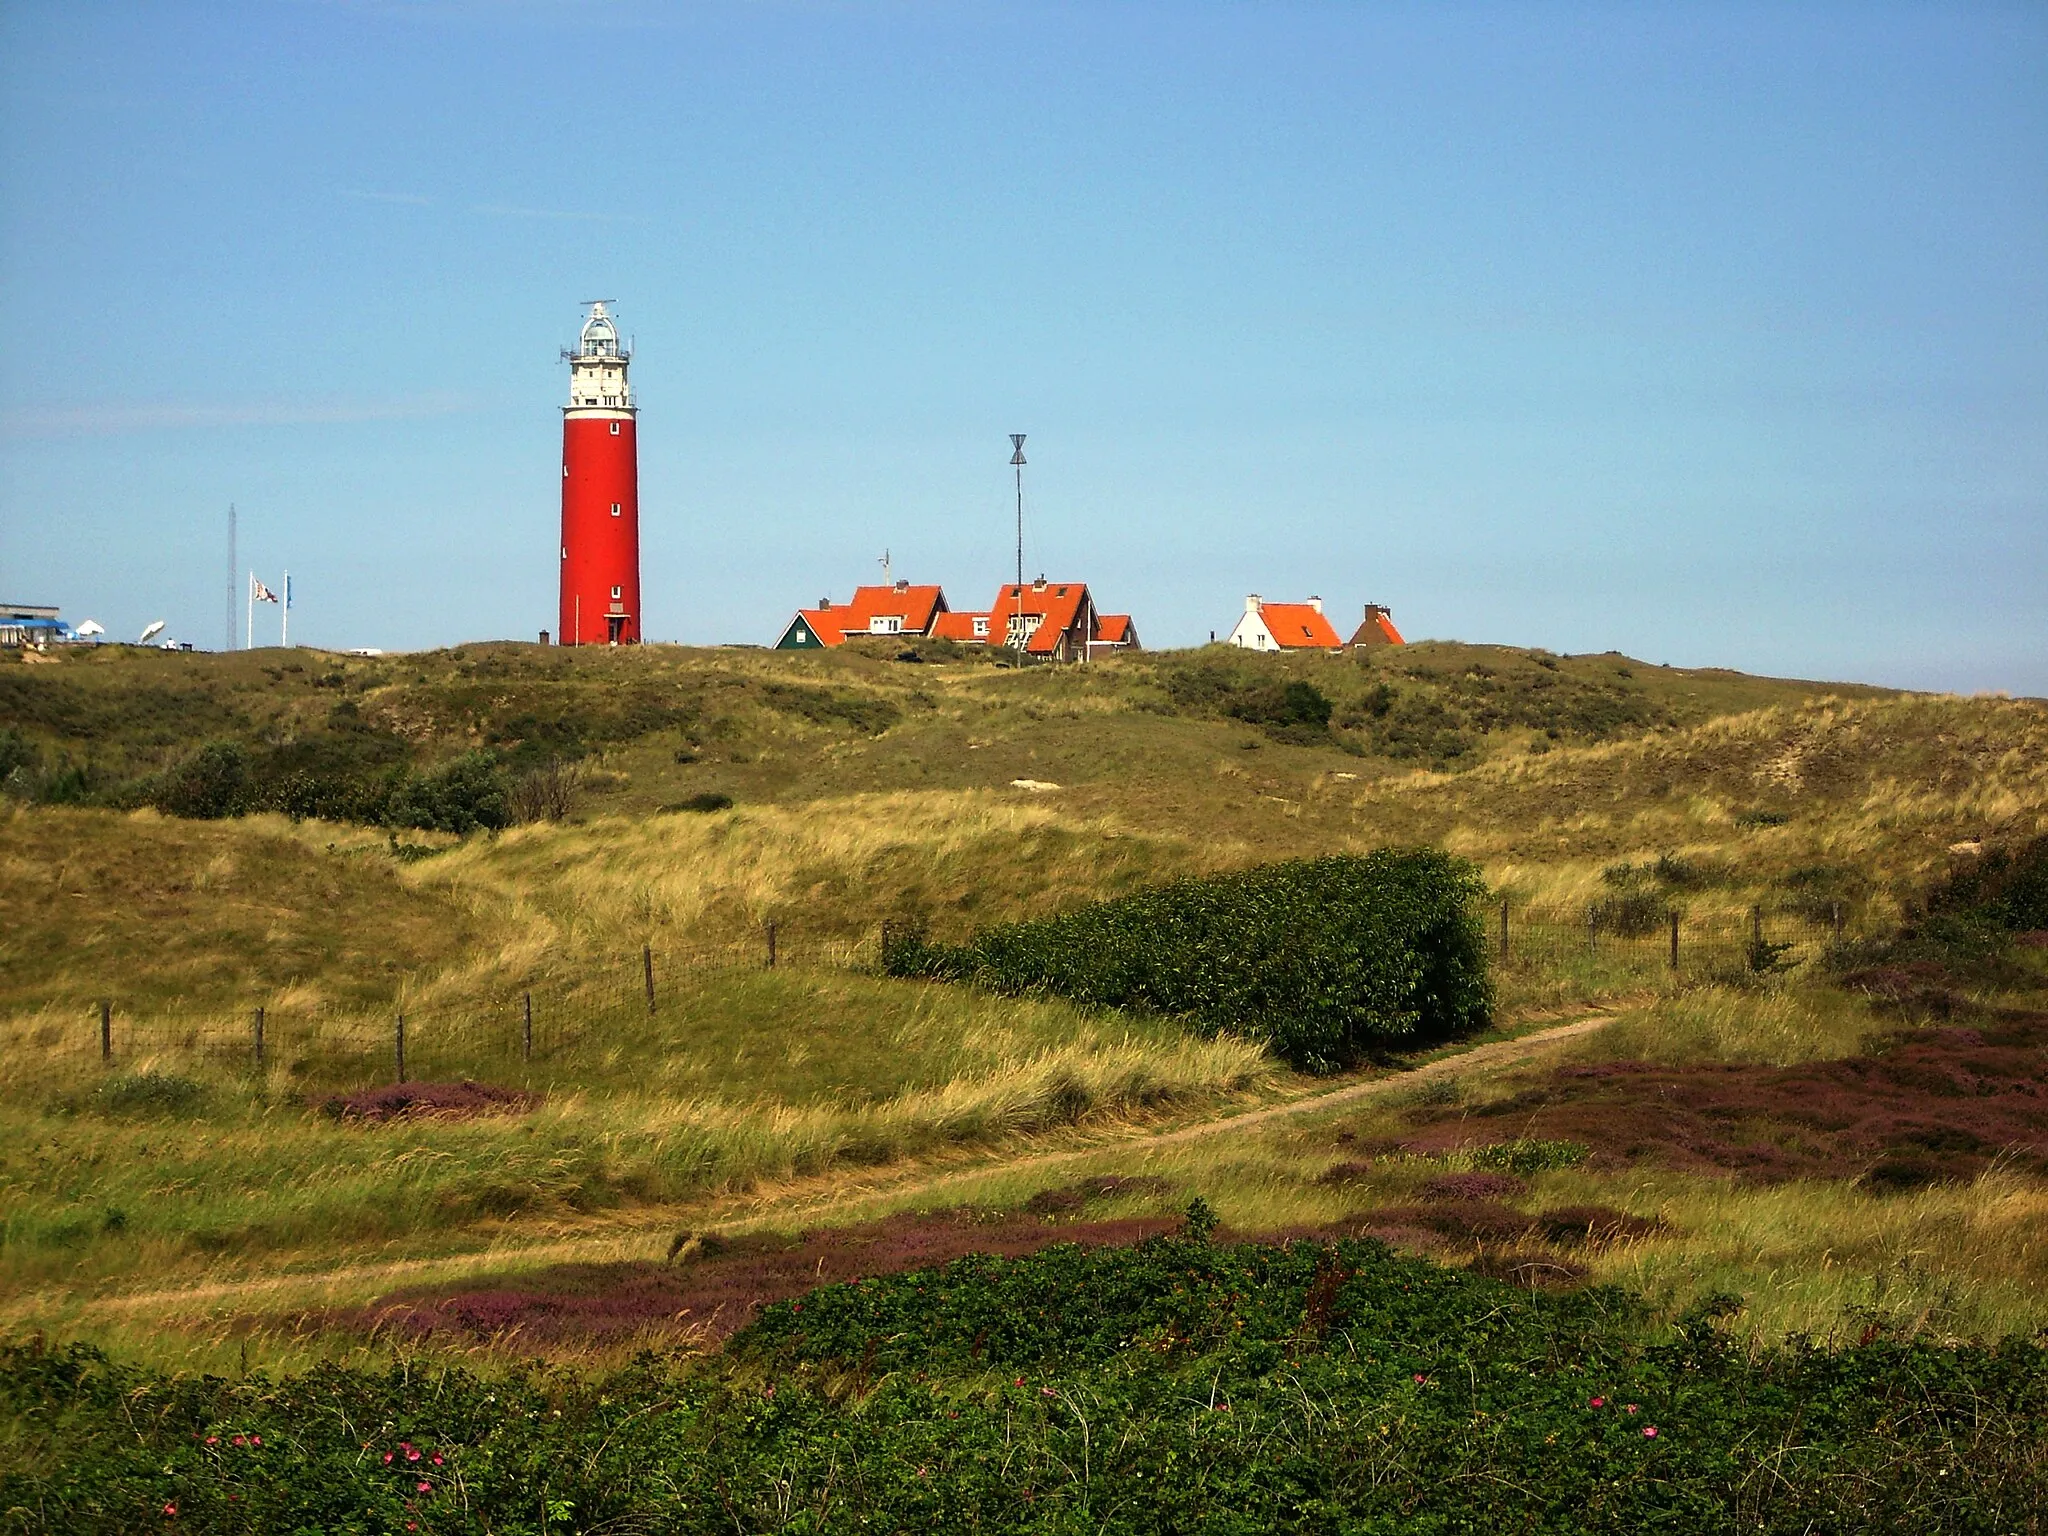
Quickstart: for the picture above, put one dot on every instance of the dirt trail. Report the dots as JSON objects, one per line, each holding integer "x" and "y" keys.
{"x": 618, "y": 1242}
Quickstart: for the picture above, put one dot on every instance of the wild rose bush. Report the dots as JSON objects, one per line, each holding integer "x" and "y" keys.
{"x": 1174, "y": 1386}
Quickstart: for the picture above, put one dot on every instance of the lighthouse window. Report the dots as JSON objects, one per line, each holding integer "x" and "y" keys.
{"x": 615, "y": 592}
{"x": 615, "y": 429}
{"x": 615, "y": 509}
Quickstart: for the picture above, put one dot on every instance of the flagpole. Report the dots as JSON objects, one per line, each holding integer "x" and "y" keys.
{"x": 284, "y": 615}
{"x": 249, "y": 632}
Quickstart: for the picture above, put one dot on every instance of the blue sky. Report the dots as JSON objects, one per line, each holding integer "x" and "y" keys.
{"x": 1717, "y": 334}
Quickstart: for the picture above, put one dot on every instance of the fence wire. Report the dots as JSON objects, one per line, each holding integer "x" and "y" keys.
{"x": 561, "y": 1022}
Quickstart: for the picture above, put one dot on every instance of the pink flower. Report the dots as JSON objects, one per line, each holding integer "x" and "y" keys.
{"x": 1419, "y": 1380}
{"x": 1020, "y": 1381}
{"x": 255, "y": 1439}
{"x": 437, "y": 1458}
{"x": 1598, "y": 1402}
{"x": 1649, "y": 1431}
{"x": 171, "y": 1510}
{"x": 387, "y": 1458}
{"x": 424, "y": 1486}
{"x": 241, "y": 1439}
{"x": 411, "y": 1454}
{"x": 1047, "y": 1392}
{"x": 1631, "y": 1408}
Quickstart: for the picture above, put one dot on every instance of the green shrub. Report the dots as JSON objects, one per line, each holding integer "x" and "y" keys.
{"x": 1633, "y": 914}
{"x": 1180, "y": 1385}
{"x": 213, "y": 782}
{"x": 2006, "y": 887}
{"x": 459, "y": 796}
{"x": 1323, "y": 959}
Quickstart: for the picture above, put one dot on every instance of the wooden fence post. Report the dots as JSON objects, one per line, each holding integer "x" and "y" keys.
{"x": 771, "y": 946}
{"x": 1503, "y": 930}
{"x": 258, "y": 1031}
{"x": 647, "y": 967}
{"x": 526, "y": 1038}
{"x": 106, "y": 1030}
{"x": 1756, "y": 927}
{"x": 1592, "y": 932}
{"x": 400, "y": 1042}
{"x": 1835, "y": 915}
{"x": 1674, "y": 938}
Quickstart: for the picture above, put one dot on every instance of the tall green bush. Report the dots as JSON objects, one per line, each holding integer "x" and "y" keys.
{"x": 1323, "y": 959}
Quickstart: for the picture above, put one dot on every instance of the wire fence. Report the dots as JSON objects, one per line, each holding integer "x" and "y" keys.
{"x": 598, "y": 1021}
{"x": 561, "y": 1022}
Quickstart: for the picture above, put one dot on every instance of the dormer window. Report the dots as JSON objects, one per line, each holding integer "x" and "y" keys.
{"x": 885, "y": 624}
{"x": 981, "y": 626}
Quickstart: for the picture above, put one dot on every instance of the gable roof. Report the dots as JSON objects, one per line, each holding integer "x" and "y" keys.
{"x": 913, "y": 605}
{"x": 1378, "y": 629}
{"x": 959, "y": 626}
{"x": 1056, "y": 604}
{"x": 1113, "y": 628}
{"x": 915, "y": 608}
{"x": 1297, "y": 626}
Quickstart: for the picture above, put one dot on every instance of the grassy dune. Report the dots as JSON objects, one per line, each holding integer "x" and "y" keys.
{"x": 865, "y": 788}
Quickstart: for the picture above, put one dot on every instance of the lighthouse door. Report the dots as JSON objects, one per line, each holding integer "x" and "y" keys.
{"x": 614, "y": 627}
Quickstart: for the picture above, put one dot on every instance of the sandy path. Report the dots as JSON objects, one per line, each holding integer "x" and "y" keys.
{"x": 618, "y": 1243}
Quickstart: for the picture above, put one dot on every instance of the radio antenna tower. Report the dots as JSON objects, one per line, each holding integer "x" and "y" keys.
{"x": 1017, "y": 461}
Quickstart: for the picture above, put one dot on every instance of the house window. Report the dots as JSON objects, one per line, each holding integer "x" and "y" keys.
{"x": 885, "y": 624}
{"x": 615, "y": 429}
{"x": 615, "y": 592}
{"x": 981, "y": 627}
{"x": 1021, "y": 627}
{"x": 615, "y": 513}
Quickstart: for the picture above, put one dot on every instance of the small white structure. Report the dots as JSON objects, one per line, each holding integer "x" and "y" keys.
{"x": 1284, "y": 627}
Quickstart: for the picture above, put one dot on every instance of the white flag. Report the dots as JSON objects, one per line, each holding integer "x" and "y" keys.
{"x": 262, "y": 593}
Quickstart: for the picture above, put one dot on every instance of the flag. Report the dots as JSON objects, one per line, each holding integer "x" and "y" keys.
{"x": 261, "y": 593}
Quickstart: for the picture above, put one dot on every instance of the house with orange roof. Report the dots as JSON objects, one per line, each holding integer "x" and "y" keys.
{"x": 1114, "y": 632}
{"x": 1284, "y": 627}
{"x": 896, "y": 609}
{"x": 1050, "y": 620}
{"x": 1378, "y": 628}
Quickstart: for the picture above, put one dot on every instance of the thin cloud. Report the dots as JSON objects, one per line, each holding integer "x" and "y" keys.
{"x": 111, "y": 420}
{"x": 411, "y": 199}
{"x": 511, "y": 211}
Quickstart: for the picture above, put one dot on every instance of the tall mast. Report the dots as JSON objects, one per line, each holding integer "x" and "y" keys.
{"x": 1017, "y": 460}
{"x": 229, "y": 643}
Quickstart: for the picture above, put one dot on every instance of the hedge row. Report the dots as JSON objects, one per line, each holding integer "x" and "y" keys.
{"x": 1323, "y": 959}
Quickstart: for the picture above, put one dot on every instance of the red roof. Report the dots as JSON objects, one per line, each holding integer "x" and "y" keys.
{"x": 1378, "y": 629}
{"x": 959, "y": 626}
{"x": 913, "y": 608}
{"x": 1112, "y": 628}
{"x": 1056, "y": 604}
{"x": 1297, "y": 626}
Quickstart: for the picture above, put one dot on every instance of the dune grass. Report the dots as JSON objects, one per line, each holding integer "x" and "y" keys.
{"x": 866, "y": 790}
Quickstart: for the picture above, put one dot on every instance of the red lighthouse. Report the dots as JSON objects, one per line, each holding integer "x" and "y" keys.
{"x": 600, "y": 492}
